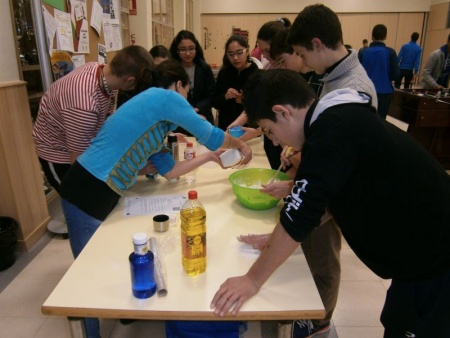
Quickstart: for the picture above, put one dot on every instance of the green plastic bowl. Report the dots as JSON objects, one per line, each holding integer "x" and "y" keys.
{"x": 246, "y": 184}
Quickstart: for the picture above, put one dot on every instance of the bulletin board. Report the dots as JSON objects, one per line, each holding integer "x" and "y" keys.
{"x": 94, "y": 38}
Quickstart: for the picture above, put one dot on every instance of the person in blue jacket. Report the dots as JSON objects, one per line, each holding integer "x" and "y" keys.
{"x": 409, "y": 61}
{"x": 380, "y": 63}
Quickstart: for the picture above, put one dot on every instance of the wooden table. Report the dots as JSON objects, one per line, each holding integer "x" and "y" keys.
{"x": 428, "y": 117}
{"x": 98, "y": 282}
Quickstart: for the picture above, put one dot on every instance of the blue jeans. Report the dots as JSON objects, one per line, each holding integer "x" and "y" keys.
{"x": 81, "y": 227}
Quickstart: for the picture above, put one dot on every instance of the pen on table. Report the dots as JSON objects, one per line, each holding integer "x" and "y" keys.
{"x": 161, "y": 288}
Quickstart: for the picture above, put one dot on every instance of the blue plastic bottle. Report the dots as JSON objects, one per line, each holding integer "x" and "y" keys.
{"x": 141, "y": 267}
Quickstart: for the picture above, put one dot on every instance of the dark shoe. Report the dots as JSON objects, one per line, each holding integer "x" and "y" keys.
{"x": 306, "y": 329}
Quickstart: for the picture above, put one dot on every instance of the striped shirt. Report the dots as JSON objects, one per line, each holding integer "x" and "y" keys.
{"x": 70, "y": 114}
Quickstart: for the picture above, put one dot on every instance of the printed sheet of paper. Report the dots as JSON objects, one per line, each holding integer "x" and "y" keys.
{"x": 96, "y": 17}
{"x": 152, "y": 205}
{"x": 50, "y": 28}
{"x": 64, "y": 31}
{"x": 78, "y": 60}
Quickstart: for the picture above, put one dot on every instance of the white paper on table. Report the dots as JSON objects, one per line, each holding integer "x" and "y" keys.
{"x": 148, "y": 205}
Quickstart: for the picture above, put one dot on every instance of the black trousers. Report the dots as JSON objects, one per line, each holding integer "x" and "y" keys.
{"x": 54, "y": 172}
{"x": 418, "y": 309}
{"x": 408, "y": 75}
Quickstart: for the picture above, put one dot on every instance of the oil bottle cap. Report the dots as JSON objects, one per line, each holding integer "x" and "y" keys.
{"x": 189, "y": 144}
{"x": 192, "y": 194}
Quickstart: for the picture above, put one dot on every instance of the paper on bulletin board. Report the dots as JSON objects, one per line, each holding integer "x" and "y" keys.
{"x": 96, "y": 17}
{"x": 112, "y": 34}
{"x": 151, "y": 205}
{"x": 102, "y": 56}
{"x": 78, "y": 60}
{"x": 50, "y": 28}
{"x": 78, "y": 16}
{"x": 63, "y": 31}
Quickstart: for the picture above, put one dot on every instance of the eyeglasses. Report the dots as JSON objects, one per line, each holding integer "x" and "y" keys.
{"x": 237, "y": 53}
{"x": 186, "y": 50}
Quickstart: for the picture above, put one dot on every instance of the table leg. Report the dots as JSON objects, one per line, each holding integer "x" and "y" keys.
{"x": 76, "y": 327}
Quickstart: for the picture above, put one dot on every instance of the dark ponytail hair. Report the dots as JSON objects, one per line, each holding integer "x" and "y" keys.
{"x": 168, "y": 72}
{"x": 279, "y": 45}
{"x": 159, "y": 51}
{"x": 269, "y": 30}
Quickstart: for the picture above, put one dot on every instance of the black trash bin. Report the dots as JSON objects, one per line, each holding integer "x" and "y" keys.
{"x": 8, "y": 242}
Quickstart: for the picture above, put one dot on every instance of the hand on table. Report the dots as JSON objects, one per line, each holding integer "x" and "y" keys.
{"x": 232, "y": 294}
{"x": 257, "y": 242}
{"x": 149, "y": 169}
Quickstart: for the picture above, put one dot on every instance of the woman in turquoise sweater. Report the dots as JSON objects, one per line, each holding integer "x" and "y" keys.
{"x": 129, "y": 138}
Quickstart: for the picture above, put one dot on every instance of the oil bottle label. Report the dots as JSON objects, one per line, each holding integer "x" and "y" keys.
{"x": 194, "y": 246}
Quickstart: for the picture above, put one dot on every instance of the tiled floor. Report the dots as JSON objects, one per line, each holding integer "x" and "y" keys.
{"x": 27, "y": 284}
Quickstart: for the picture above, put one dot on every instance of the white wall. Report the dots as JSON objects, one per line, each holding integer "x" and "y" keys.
{"x": 141, "y": 24}
{"x": 9, "y": 69}
{"x": 179, "y": 16}
{"x": 295, "y": 6}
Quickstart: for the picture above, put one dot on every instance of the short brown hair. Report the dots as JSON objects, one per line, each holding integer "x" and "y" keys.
{"x": 131, "y": 61}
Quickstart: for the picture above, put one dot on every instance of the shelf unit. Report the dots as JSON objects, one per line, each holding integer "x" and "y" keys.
{"x": 162, "y": 22}
{"x": 125, "y": 23}
{"x": 28, "y": 60}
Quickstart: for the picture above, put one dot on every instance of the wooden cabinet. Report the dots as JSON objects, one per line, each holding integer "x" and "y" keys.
{"x": 22, "y": 190}
{"x": 22, "y": 195}
{"x": 428, "y": 117}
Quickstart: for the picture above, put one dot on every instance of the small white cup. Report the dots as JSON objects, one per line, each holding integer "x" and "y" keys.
{"x": 231, "y": 158}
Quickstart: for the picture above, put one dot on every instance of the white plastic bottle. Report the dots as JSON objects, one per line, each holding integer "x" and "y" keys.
{"x": 189, "y": 154}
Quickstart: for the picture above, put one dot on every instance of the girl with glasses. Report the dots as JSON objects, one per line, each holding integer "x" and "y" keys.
{"x": 237, "y": 67}
{"x": 186, "y": 49}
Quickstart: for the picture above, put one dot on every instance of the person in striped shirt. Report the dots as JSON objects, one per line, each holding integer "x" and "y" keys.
{"x": 74, "y": 108}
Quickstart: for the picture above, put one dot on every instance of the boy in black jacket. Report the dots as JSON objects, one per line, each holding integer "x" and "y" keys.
{"x": 389, "y": 196}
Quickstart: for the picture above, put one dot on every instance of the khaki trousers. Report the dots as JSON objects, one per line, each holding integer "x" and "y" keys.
{"x": 322, "y": 252}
